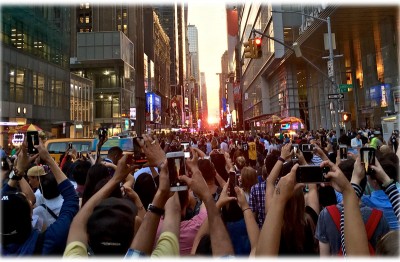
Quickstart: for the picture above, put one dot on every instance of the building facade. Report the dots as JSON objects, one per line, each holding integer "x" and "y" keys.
{"x": 282, "y": 84}
{"x": 35, "y": 61}
{"x": 111, "y": 55}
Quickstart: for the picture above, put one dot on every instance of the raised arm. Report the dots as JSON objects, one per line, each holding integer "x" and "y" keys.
{"x": 144, "y": 239}
{"x": 77, "y": 230}
{"x": 220, "y": 240}
{"x": 270, "y": 236}
{"x": 273, "y": 176}
{"x": 251, "y": 224}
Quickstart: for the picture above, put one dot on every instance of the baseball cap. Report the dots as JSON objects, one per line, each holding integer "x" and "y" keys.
{"x": 16, "y": 216}
{"x": 377, "y": 132}
{"x": 110, "y": 228}
{"x": 36, "y": 171}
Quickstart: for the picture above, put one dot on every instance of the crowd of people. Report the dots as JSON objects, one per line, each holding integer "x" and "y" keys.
{"x": 240, "y": 197}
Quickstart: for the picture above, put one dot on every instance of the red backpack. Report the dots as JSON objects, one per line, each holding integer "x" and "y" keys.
{"x": 370, "y": 225}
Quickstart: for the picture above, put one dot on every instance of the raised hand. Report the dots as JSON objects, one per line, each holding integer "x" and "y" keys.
{"x": 151, "y": 148}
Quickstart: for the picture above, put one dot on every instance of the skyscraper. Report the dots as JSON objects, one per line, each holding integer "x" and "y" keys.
{"x": 194, "y": 50}
{"x": 108, "y": 46}
{"x": 35, "y": 66}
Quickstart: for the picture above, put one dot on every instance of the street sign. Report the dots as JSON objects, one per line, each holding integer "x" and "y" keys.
{"x": 344, "y": 88}
{"x": 335, "y": 96}
{"x": 330, "y": 68}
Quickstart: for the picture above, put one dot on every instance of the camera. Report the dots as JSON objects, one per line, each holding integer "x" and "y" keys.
{"x": 307, "y": 147}
{"x": 343, "y": 152}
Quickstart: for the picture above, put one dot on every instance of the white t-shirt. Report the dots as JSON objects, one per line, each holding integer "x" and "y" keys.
{"x": 54, "y": 205}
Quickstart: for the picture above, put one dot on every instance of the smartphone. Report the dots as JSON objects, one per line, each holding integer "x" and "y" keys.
{"x": 136, "y": 145}
{"x": 69, "y": 145}
{"x": 295, "y": 147}
{"x": 343, "y": 152}
{"x": 130, "y": 160}
{"x": 33, "y": 140}
{"x": 232, "y": 184}
{"x": 78, "y": 155}
{"x": 307, "y": 147}
{"x": 176, "y": 168}
{"x": 368, "y": 158}
{"x": 102, "y": 132}
{"x": 311, "y": 174}
{"x": 323, "y": 141}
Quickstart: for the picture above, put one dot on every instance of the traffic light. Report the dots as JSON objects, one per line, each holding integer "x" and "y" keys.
{"x": 346, "y": 117}
{"x": 248, "y": 49}
{"x": 257, "y": 53}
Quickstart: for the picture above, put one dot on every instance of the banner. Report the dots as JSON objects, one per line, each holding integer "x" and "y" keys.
{"x": 175, "y": 111}
{"x": 236, "y": 93}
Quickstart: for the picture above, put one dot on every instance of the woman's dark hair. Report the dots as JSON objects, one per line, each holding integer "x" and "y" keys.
{"x": 115, "y": 193}
{"x": 80, "y": 171}
{"x": 49, "y": 186}
{"x": 296, "y": 222}
{"x": 145, "y": 188}
{"x": 207, "y": 170}
{"x": 95, "y": 173}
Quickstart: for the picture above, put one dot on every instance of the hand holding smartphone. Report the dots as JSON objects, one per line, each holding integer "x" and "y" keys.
{"x": 33, "y": 140}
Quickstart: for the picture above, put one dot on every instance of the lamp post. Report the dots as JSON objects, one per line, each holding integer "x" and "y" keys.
{"x": 331, "y": 68}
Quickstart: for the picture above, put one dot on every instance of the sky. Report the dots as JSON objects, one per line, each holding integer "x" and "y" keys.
{"x": 210, "y": 20}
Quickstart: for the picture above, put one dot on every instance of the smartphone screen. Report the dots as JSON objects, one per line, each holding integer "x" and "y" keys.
{"x": 33, "y": 140}
{"x": 310, "y": 174}
{"x": 295, "y": 148}
{"x": 187, "y": 154}
{"x": 185, "y": 146}
{"x": 343, "y": 152}
{"x": 176, "y": 168}
{"x": 232, "y": 184}
{"x": 368, "y": 158}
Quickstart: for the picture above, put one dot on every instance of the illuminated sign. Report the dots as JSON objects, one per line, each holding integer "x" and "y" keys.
{"x": 18, "y": 139}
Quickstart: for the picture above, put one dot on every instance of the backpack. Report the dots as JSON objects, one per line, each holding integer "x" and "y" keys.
{"x": 370, "y": 225}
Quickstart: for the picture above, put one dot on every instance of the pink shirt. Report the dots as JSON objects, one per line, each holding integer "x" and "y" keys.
{"x": 188, "y": 231}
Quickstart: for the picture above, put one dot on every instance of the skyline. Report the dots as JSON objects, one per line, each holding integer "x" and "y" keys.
{"x": 211, "y": 31}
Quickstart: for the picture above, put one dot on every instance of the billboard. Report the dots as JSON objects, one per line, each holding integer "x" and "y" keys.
{"x": 175, "y": 111}
{"x": 379, "y": 95}
{"x": 153, "y": 107}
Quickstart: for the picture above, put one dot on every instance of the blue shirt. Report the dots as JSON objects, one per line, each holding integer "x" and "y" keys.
{"x": 379, "y": 200}
{"x": 56, "y": 235}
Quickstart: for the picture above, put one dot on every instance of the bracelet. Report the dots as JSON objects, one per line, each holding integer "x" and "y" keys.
{"x": 246, "y": 209}
{"x": 281, "y": 159}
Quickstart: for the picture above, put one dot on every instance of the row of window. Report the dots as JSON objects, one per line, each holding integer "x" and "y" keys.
{"x": 21, "y": 85}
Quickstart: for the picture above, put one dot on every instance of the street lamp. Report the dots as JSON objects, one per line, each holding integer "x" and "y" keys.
{"x": 331, "y": 68}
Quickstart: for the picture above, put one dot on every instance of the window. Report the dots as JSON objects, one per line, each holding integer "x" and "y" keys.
{"x": 87, "y": 5}
{"x": 87, "y": 19}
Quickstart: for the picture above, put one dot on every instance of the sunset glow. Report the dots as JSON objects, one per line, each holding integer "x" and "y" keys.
{"x": 212, "y": 120}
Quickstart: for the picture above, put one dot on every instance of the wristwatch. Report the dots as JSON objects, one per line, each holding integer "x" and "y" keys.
{"x": 155, "y": 210}
{"x": 14, "y": 176}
